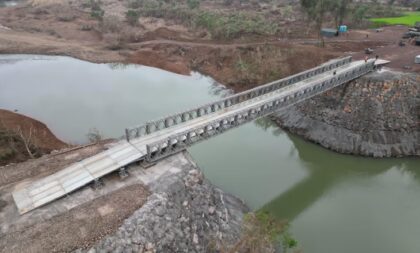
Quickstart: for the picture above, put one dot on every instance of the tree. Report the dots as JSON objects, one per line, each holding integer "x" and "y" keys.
{"x": 341, "y": 11}
{"x": 26, "y": 140}
{"x": 318, "y": 9}
{"x": 360, "y": 13}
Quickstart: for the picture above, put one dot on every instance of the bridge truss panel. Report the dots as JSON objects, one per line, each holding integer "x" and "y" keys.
{"x": 181, "y": 117}
{"x": 176, "y": 143}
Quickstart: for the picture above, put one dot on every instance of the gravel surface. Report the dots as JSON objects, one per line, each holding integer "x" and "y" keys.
{"x": 186, "y": 213}
{"x": 79, "y": 227}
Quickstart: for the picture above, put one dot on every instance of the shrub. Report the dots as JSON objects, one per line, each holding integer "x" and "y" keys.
{"x": 66, "y": 17}
{"x": 128, "y": 35}
{"x": 96, "y": 10}
{"x": 193, "y": 4}
{"x": 233, "y": 25}
{"x": 135, "y": 4}
{"x": 94, "y": 135}
{"x": 132, "y": 17}
{"x": 261, "y": 232}
{"x": 111, "y": 24}
{"x": 220, "y": 25}
{"x": 97, "y": 14}
{"x": 227, "y": 2}
{"x": 86, "y": 27}
{"x": 6, "y": 154}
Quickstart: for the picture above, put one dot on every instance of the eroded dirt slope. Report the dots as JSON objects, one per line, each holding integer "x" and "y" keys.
{"x": 18, "y": 133}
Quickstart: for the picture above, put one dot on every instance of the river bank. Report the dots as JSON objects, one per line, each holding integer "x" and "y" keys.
{"x": 376, "y": 115}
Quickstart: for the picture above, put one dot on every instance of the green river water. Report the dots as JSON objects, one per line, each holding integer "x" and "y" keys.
{"x": 335, "y": 203}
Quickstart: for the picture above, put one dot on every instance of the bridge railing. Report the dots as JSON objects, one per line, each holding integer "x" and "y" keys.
{"x": 177, "y": 118}
{"x": 180, "y": 141}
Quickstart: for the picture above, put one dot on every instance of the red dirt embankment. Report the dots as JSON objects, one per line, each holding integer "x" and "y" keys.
{"x": 238, "y": 66}
{"x": 42, "y": 136}
{"x": 16, "y": 130}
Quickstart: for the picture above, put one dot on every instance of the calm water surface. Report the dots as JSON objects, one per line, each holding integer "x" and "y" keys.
{"x": 8, "y": 3}
{"x": 335, "y": 203}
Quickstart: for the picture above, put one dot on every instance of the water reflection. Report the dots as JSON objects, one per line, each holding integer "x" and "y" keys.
{"x": 325, "y": 170}
{"x": 121, "y": 66}
{"x": 268, "y": 125}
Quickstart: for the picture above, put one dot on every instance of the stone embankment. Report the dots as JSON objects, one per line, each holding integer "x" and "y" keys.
{"x": 377, "y": 115}
{"x": 185, "y": 213}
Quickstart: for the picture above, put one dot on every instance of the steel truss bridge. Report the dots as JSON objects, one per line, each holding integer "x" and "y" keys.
{"x": 158, "y": 139}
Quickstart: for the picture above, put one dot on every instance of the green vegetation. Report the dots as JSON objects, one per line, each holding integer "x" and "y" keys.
{"x": 409, "y": 19}
{"x": 193, "y": 4}
{"x": 261, "y": 232}
{"x": 362, "y": 13}
{"x": 318, "y": 10}
{"x": 96, "y": 10}
{"x": 326, "y": 11}
{"x": 132, "y": 17}
{"x": 221, "y": 25}
{"x": 227, "y": 26}
{"x": 242, "y": 65}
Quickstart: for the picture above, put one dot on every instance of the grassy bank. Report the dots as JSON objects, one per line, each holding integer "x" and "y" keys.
{"x": 409, "y": 19}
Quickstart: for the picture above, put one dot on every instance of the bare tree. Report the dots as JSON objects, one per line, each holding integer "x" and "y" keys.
{"x": 27, "y": 140}
{"x": 317, "y": 10}
{"x": 94, "y": 136}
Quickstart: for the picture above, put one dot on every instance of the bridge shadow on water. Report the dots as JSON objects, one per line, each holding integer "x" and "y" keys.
{"x": 325, "y": 170}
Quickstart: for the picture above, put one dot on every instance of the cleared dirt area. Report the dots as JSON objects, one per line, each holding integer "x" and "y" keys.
{"x": 385, "y": 44}
{"x": 78, "y": 228}
{"x": 21, "y": 42}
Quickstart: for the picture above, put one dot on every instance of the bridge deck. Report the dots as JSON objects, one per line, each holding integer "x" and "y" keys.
{"x": 123, "y": 153}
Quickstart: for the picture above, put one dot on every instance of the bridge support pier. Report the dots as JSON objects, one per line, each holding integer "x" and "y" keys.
{"x": 122, "y": 172}
{"x": 98, "y": 183}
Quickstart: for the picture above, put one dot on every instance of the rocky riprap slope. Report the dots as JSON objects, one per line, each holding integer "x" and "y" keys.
{"x": 376, "y": 115}
{"x": 187, "y": 214}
